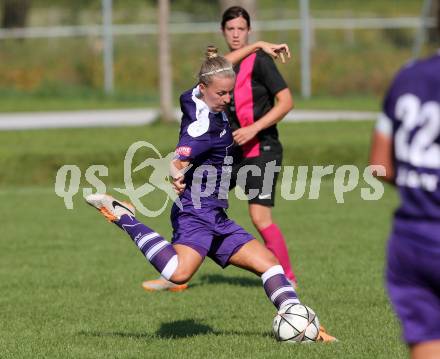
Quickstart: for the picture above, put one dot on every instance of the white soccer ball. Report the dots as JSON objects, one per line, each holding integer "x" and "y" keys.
{"x": 296, "y": 323}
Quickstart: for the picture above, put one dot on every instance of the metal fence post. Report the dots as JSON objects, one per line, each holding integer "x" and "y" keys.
{"x": 421, "y": 33}
{"x": 108, "y": 45}
{"x": 165, "y": 69}
{"x": 305, "y": 49}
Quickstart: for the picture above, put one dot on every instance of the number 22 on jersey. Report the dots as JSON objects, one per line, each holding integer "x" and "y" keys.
{"x": 415, "y": 138}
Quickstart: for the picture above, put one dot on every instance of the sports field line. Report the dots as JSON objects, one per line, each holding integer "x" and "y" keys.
{"x": 139, "y": 117}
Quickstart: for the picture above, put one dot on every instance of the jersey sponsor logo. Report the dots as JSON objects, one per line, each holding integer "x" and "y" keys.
{"x": 223, "y": 133}
{"x": 183, "y": 151}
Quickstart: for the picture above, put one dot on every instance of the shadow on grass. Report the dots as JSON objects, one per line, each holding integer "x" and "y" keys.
{"x": 183, "y": 329}
{"x": 220, "y": 279}
{"x": 120, "y": 334}
{"x": 178, "y": 329}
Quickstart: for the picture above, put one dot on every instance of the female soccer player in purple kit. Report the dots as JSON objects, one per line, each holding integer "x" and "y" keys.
{"x": 261, "y": 98}
{"x": 406, "y": 142}
{"x": 201, "y": 227}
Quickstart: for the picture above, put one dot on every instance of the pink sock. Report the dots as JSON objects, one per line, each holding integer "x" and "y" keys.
{"x": 274, "y": 241}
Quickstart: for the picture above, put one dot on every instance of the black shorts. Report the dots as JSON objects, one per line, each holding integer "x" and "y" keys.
{"x": 261, "y": 176}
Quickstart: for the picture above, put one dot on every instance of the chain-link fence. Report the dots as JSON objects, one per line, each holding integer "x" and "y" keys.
{"x": 355, "y": 46}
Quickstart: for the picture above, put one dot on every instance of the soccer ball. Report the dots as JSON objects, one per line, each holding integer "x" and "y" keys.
{"x": 296, "y": 323}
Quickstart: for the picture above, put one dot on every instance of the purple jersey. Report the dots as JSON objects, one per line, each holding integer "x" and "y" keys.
{"x": 411, "y": 116}
{"x": 204, "y": 140}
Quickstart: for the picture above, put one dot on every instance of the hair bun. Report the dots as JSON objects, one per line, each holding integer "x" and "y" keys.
{"x": 211, "y": 52}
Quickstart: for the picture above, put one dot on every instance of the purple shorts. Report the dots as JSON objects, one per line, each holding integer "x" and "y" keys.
{"x": 208, "y": 231}
{"x": 413, "y": 283}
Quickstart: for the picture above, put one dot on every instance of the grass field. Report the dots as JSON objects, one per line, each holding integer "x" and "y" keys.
{"x": 70, "y": 282}
{"x": 19, "y": 102}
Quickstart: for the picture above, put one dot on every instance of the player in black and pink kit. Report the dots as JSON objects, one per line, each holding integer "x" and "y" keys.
{"x": 261, "y": 99}
{"x": 406, "y": 143}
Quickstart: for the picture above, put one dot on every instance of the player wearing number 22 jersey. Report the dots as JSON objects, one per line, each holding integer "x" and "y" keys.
{"x": 410, "y": 124}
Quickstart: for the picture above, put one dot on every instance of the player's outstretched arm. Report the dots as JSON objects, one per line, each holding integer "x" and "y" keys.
{"x": 274, "y": 50}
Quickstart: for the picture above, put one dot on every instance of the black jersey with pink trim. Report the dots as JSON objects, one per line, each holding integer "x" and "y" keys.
{"x": 258, "y": 81}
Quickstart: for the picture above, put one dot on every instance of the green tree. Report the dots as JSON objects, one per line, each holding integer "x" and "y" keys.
{"x": 165, "y": 71}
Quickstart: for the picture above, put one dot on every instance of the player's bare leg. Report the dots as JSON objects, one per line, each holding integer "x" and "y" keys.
{"x": 189, "y": 262}
{"x": 254, "y": 257}
{"x": 426, "y": 350}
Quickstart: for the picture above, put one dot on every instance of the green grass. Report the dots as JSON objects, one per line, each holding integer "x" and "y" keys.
{"x": 71, "y": 100}
{"x": 87, "y": 99}
{"x": 345, "y": 103}
{"x": 70, "y": 282}
{"x": 45, "y": 151}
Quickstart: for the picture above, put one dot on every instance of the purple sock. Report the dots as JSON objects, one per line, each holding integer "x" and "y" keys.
{"x": 278, "y": 288}
{"x": 155, "y": 248}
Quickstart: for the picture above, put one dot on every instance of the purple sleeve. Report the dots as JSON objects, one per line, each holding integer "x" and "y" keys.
{"x": 398, "y": 87}
{"x": 190, "y": 147}
{"x": 192, "y": 142}
{"x": 389, "y": 103}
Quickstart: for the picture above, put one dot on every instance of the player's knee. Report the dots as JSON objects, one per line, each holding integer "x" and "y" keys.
{"x": 272, "y": 260}
{"x": 181, "y": 276}
{"x": 260, "y": 221}
{"x": 269, "y": 260}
